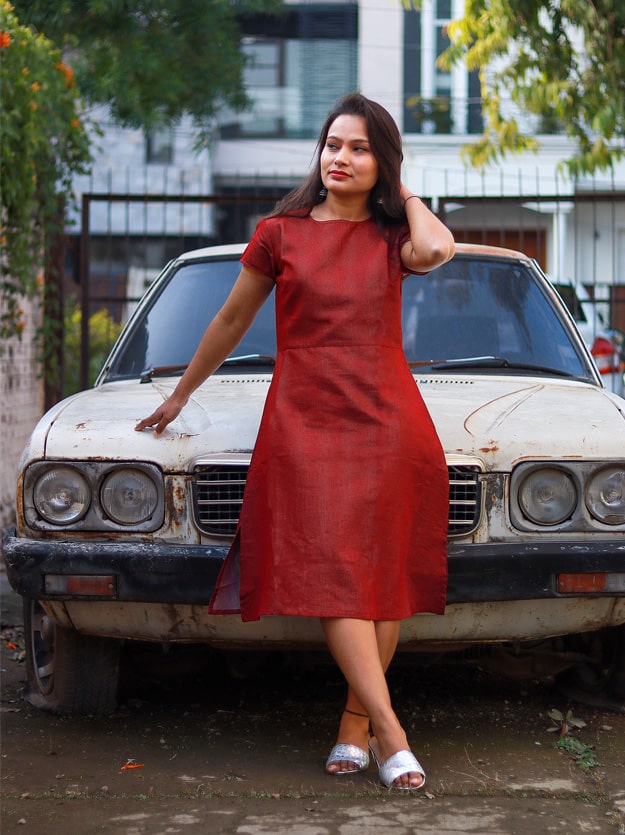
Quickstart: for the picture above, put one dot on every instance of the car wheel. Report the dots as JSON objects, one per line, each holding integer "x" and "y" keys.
{"x": 67, "y": 672}
{"x": 601, "y": 675}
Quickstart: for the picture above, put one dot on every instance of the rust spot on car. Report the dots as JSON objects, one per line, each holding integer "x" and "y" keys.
{"x": 76, "y": 538}
{"x": 19, "y": 504}
{"x": 487, "y": 449}
{"x": 176, "y": 504}
{"x": 170, "y": 504}
{"x": 80, "y": 426}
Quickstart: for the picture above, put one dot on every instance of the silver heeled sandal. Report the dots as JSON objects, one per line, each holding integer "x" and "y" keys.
{"x": 402, "y": 762}
{"x": 344, "y": 752}
{"x": 348, "y": 753}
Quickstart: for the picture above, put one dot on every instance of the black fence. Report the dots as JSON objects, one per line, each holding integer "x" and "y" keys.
{"x": 125, "y": 239}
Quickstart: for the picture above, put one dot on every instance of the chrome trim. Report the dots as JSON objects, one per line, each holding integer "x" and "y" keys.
{"x": 218, "y": 486}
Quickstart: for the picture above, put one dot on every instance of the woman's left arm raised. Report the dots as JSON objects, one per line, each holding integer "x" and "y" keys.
{"x": 431, "y": 242}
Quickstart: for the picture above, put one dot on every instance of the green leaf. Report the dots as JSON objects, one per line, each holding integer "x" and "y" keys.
{"x": 44, "y": 142}
{"x": 531, "y": 49}
{"x": 153, "y": 61}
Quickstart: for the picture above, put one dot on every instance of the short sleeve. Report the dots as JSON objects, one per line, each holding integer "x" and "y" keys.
{"x": 261, "y": 254}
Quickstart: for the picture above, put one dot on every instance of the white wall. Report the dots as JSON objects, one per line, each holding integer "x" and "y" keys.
{"x": 120, "y": 167}
{"x": 263, "y": 160}
{"x": 599, "y": 255}
{"x": 380, "y": 53}
{"x": 433, "y": 167}
{"x": 22, "y": 398}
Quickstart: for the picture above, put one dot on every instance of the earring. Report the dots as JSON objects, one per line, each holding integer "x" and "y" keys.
{"x": 323, "y": 192}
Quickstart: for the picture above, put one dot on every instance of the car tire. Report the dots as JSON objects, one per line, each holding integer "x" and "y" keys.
{"x": 67, "y": 672}
{"x": 601, "y": 675}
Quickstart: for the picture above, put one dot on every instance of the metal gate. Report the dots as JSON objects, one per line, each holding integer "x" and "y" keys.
{"x": 125, "y": 239}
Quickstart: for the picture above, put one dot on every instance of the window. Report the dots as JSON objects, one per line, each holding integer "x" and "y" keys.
{"x": 159, "y": 146}
{"x": 300, "y": 61}
{"x": 442, "y": 78}
{"x": 262, "y": 77}
{"x": 436, "y": 100}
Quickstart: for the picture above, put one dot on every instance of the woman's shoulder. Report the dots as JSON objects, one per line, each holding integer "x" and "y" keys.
{"x": 290, "y": 217}
{"x": 276, "y": 225}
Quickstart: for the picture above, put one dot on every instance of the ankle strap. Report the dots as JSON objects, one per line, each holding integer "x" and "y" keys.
{"x": 354, "y": 713}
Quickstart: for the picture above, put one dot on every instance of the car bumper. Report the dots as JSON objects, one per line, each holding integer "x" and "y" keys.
{"x": 186, "y": 574}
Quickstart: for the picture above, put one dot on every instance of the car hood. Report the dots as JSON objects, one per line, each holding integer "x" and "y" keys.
{"x": 498, "y": 419}
{"x": 504, "y": 420}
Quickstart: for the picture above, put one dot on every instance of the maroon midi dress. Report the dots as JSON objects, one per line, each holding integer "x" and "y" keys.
{"x": 346, "y": 501}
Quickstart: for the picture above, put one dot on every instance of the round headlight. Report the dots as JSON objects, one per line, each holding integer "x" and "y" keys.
{"x": 129, "y": 496}
{"x": 547, "y": 496}
{"x": 62, "y": 496}
{"x": 605, "y": 495}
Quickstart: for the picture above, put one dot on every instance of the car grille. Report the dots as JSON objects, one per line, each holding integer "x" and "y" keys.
{"x": 465, "y": 499}
{"x": 218, "y": 493}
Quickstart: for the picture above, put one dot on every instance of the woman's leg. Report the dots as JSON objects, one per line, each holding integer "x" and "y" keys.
{"x": 354, "y": 725}
{"x": 354, "y": 645}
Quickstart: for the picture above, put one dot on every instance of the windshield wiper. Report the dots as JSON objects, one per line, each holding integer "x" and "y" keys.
{"x": 250, "y": 359}
{"x": 168, "y": 370}
{"x": 460, "y": 361}
{"x": 490, "y": 362}
{"x": 161, "y": 371}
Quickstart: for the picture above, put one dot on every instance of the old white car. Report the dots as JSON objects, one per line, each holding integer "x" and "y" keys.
{"x": 120, "y": 535}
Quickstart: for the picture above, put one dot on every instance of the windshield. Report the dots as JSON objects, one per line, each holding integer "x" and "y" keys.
{"x": 472, "y": 308}
{"x": 469, "y": 309}
{"x": 168, "y": 331}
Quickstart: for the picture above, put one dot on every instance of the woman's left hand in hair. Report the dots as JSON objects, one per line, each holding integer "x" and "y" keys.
{"x": 431, "y": 242}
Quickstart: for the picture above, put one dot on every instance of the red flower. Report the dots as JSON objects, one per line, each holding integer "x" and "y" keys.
{"x": 5, "y": 39}
{"x": 68, "y": 72}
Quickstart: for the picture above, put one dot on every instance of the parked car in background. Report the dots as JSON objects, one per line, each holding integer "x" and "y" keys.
{"x": 606, "y": 345}
{"x": 120, "y": 535}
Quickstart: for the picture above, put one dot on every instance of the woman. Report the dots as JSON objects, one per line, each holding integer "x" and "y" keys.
{"x": 344, "y": 516}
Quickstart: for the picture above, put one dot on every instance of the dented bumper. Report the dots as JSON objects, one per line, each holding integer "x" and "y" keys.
{"x": 141, "y": 571}
{"x": 154, "y": 572}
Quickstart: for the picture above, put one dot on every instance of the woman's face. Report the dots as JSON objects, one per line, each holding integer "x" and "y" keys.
{"x": 348, "y": 166}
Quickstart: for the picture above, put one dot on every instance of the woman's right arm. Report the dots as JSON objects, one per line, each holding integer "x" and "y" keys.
{"x": 221, "y": 337}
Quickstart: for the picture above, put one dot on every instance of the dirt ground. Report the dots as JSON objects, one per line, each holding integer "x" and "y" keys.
{"x": 215, "y": 754}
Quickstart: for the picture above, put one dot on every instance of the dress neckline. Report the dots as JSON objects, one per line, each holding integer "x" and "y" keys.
{"x": 338, "y": 219}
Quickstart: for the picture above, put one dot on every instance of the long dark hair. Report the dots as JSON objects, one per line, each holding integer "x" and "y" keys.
{"x": 385, "y": 141}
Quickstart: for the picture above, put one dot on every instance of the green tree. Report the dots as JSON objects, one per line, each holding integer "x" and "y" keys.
{"x": 43, "y": 142}
{"x": 151, "y": 61}
{"x": 103, "y": 331}
{"x": 562, "y": 60}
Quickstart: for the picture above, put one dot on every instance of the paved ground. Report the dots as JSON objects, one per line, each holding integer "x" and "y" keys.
{"x": 218, "y": 755}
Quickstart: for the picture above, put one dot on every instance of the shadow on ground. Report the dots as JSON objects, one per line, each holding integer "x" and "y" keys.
{"x": 217, "y": 752}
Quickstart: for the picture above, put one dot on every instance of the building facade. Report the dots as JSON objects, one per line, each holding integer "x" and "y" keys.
{"x": 301, "y": 61}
